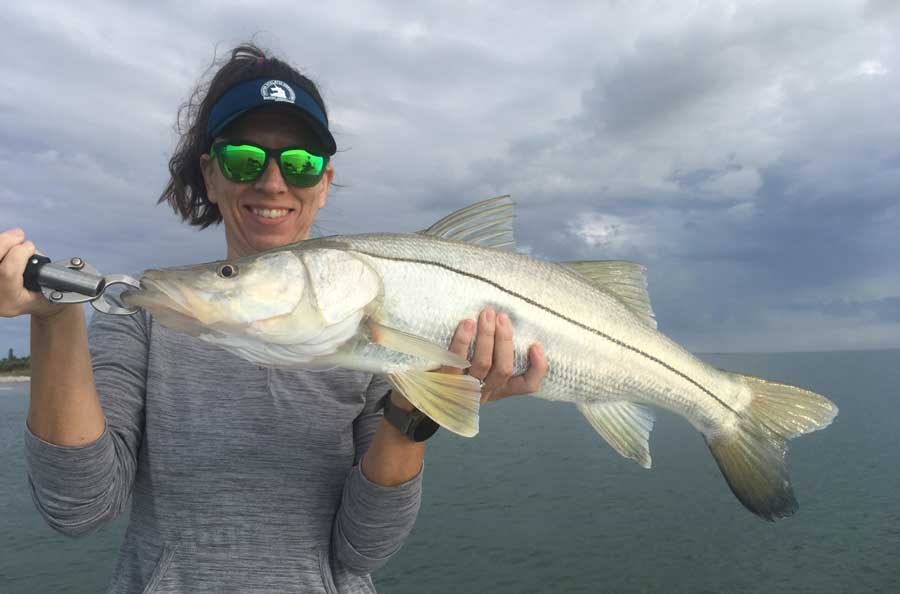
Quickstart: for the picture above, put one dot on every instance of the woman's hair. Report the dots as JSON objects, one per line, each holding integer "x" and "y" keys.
{"x": 186, "y": 190}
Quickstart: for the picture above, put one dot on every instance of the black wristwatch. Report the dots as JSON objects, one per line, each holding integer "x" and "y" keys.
{"x": 414, "y": 424}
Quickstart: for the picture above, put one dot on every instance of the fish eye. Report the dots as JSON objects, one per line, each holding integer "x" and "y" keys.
{"x": 227, "y": 270}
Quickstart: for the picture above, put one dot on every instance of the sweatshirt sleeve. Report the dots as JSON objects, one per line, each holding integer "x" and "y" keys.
{"x": 77, "y": 489}
{"x": 373, "y": 521}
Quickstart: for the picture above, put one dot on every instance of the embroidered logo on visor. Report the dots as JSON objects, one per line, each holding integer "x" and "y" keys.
{"x": 276, "y": 90}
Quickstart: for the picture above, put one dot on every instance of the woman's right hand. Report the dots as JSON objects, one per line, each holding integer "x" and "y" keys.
{"x": 15, "y": 299}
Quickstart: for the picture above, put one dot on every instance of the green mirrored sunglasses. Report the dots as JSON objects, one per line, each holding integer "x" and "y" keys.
{"x": 242, "y": 161}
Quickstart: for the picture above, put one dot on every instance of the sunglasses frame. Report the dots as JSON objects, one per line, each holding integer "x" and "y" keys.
{"x": 217, "y": 154}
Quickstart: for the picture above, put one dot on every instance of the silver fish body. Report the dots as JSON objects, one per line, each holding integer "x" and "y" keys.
{"x": 597, "y": 349}
{"x": 389, "y": 303}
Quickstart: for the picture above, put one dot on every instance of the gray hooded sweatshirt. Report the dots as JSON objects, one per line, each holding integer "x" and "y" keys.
{"x": 240, "y": 478}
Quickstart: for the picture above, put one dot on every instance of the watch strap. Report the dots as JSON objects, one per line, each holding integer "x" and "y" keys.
{"x": 414, "y": 424}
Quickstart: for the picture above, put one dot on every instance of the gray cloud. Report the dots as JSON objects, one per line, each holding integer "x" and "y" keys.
{"x": 885, "y": 310}
{"x": 748, "y": 153}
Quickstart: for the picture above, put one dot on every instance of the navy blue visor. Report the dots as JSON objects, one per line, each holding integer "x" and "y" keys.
{"x": 258, "y": 92}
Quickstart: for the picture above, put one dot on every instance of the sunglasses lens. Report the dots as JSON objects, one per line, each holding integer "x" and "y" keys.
{"x": 301, "y": 168}
{"x": 241, "y": 162}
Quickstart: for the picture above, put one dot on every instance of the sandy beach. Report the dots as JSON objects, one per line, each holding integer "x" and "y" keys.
{"x": 9, "y": 379}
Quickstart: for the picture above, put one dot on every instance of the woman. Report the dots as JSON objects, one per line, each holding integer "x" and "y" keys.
{"x": 241, "y": 478}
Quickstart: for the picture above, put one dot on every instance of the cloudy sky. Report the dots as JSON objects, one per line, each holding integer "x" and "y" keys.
{"x": 748, "y": 152}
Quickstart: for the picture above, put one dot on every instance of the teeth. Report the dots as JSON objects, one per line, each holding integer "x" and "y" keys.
{"x": 270, "y": 213}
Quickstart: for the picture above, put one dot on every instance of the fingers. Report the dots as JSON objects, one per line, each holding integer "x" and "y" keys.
{"x": 483, "y": 357}
{"x": 460, "y": 342}
{"x": 493, "y": 358}
{"x": 14, "y": 254}
{"x": 8, "y": 239}
{"x": 13, "y": 264}
{"x": 503, "y": 362}
{"x": 530, "y": 381}
{"x": 462, "y": 338}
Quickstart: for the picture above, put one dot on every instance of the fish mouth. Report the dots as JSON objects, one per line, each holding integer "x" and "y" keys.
{"x": 161, "y": 295}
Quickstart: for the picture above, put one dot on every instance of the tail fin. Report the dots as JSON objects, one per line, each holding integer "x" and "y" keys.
{"x": 752, "y": 456}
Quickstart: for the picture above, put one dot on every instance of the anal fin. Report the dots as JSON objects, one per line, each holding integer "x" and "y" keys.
{"x": 624, "y": 425}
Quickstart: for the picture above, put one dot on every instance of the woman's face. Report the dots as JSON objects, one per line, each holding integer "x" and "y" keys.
{"x": 246, "y": 231}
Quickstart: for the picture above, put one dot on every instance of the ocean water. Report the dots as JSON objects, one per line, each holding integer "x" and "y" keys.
{"x": 539, "y": 503}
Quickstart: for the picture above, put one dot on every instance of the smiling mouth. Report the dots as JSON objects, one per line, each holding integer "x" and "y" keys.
{"x": 269, "y": 213}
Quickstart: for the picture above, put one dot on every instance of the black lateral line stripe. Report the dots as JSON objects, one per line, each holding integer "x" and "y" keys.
{"x": 557, "y": 314}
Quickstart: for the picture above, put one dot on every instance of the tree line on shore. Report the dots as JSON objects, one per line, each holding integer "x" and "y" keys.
{"x": 13, "y": 365}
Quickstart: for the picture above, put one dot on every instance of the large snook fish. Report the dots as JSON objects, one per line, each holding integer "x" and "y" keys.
{"x": 389, "y": 303}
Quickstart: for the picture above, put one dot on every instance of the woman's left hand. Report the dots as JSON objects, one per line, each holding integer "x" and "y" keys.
{"x": 492, "y": 359}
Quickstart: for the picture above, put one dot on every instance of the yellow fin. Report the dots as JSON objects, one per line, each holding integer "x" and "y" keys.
{"x": 752, "y": 455}
{"x": 624, "y": 425}
{"x": 625, "y": 280}
{"x": 450, "y": 400}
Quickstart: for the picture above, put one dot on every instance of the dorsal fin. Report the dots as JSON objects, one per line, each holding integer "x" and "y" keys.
{"x": 487, "y": 223}
{"x": 624, "y": 425}
{"x": 625, "y": 280}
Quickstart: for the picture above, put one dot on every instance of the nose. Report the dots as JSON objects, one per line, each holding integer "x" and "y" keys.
{"x": 271, "y": 181}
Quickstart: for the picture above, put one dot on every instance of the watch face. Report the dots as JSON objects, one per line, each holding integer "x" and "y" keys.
{"x": 424, "y": 429}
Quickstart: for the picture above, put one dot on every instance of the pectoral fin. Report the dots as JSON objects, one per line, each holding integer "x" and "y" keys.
{"x": 625, "y": 426}
{"x": 451, "y": 400}
{"x": 403, "y": 342}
